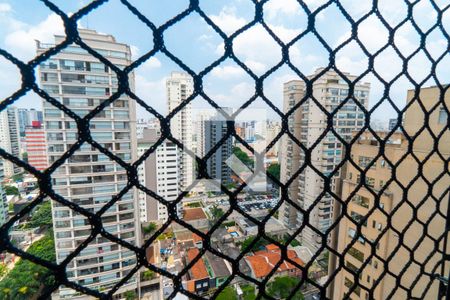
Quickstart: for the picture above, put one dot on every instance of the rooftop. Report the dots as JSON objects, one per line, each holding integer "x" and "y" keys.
{"x": 263, "y": 262}
{"x": 198, "y": 270}
{"x": 191, "y": 214}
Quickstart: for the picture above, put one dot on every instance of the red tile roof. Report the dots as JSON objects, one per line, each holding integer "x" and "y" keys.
{"x": 196, "y": 238}
{"x": 262, "y": 262}
{"x": 191, "y": 214}
{"x": 198, "y": 270}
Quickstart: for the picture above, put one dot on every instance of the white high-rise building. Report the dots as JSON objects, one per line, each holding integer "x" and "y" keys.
{"x": 201, "y": 117}
{"x": 89, "y": 178}
{"x": 142, "y": 124}
{"x": 308, "y": 123}
{"x": 159, "y": 173}
{"x": 9, "y": 138}
{"x": 179, "y": 87}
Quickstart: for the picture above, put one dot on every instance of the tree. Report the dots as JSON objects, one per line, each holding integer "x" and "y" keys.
{"x": 231, "y": 185}
{"x": 27, "y": 278}
{"x": 11, "y": 190}
{"x": 243, "y": 157}
{"x": 151, "y": 227}
{"x": 228, "y": 293}
{"x": 148, "y": 275}
{"x": 216, "y": 212}
{"x": 17, "y": 177}
{"x": 248, "y": 292}
{"x": 130, "y": 295}
{"x": 3, "y": 269}
{"x": 282, "y": 287}
{"x": 259, "y": 243}
{"x": 42, "y": 217}
{"x": 25, "y": 156}
{"x": 274, "y": 170}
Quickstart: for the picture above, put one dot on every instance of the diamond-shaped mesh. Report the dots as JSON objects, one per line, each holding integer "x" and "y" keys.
{"x": 439, "y": 198}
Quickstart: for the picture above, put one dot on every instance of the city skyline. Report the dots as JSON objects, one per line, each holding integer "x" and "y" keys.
{"x": 187, "y": 203}
{"x": 228, "y": 83}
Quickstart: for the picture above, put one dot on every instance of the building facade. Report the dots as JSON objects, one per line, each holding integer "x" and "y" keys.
{"x": 9, "y": 138}
{"x": 36, "y": 146}
{"x": 214, "y": 130}
{"x": 3, "y": 200}
{"x": 179, "y": 86}
{"x": 26, "y": 118}
{"x": 89, "y": 178}
{"x": 160, "y": 174}
{"x": 370, "y": 236}
{"x": 310, "y": 128}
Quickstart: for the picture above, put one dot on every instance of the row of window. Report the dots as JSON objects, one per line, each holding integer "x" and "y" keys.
{"x": 88, "y": 147}
{"x": 97, "y": 136}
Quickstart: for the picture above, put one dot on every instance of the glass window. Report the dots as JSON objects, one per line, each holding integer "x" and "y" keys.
{"x": 443, "y": 116}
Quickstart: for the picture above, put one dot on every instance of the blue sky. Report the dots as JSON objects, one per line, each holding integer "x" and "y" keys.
{"x": 192, "y": 40}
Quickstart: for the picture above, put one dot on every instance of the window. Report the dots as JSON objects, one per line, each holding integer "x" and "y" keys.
{"x": 361, "y": 201}
{"x": 443, "y": 116}
{"x": 356, "y": 254}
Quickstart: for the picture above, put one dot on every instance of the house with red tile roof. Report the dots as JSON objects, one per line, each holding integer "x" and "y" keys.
{"x": 209, "y": 272}
{"x": 198, "y": 277}
{"x": 263, "y": 262}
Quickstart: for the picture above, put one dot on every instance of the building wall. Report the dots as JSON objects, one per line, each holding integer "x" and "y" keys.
{"x": 159, "y": 173}
{"x": 397, "y": 203}
{"x": 293, "y": 93}
{"x": 214, "y": 130}
{"x": 3, "y": 200}
{"x": 9, "y": 138}
{"x": 88, "y": 178}
{"x": 179, "y": 87}
{"x": 36, "y": 147}
{"x": 329, "y": 90}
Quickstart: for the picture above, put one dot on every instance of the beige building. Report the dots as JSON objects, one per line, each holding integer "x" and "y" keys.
{"x": 309, "y": 126}
{"x": 366, "y": 237}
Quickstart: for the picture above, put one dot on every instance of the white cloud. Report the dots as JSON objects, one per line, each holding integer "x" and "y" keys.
{"x": 5, "y": 7}
{"x": 152, "y": 63}
{"x": 227, "y": 72}
{"x": 255, "y": 66}
{"x": 22, "y": 41}
{"x": 228, "y": 21}
{"x": 151, "y": 92}
{"x": 276, "y": 8}
{"x": 257, "y": 48}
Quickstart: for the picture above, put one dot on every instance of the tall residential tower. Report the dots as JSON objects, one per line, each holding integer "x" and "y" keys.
{"x": 89, "y": 178}
{"x": 179, "y": 87}
{"x": 9, "y": 138}
{"x": 308, "y": 124}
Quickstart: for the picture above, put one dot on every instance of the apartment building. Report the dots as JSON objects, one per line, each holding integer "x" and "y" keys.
{"x": 142, "y": 124}
{"x": 89, "y": 178}
{"x": 160, "y": 174}
{"x": 367, "y": 236}
{"x": 9, "y": 138}
{"x": 273, "y": 129}
{"x": 36, "y": 145}
{"x": 3, "y": 200}
{"x": 26, "y": 117}
{"x": 214, "y": 130}
{"x": 201, "y": 117}
{"x": 179, "y": 86}
{"x": 309, "y": 124}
